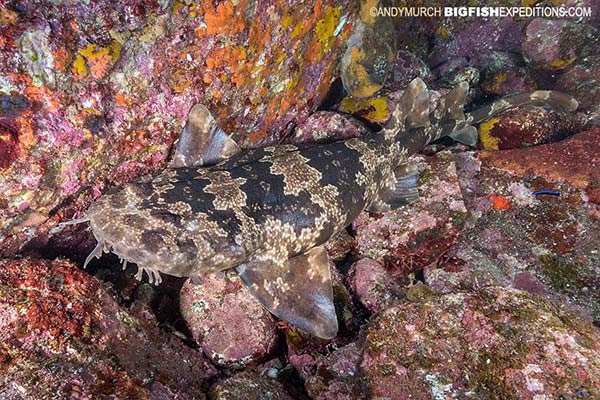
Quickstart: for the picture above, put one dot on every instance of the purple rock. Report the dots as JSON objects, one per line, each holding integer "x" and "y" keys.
{"x": 473, "y": 44}
{"x": 508, "y": 81}
{"x": 582, "y": 81}
{"x": 529, "y": 283}
{"x": 230, "y": 325}
{"x": 550, "y": 239}
{"x": 525, "y": 127}
{"x": 328, "y": 126}
{"x": 494, "y": 343}
{"x": 405, "y": 68}
{"x": 375, "y": 287}
{"x": 63, "y": 336}
{"x": 554, "y": 43}
{"x": 334, "y": 376}
{"x": 369, "y": 55}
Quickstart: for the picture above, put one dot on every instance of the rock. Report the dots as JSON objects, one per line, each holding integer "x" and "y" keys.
{"x": 248, "y": 385}
{"x": 374, "y": 109}
{"x": 495, "y": 343}
{"x": 501, "y": 61}
{"x": 328, "y": 126}
{"x": 555, "y": 43}
{"x": 419, "y": 292}
{"x": 339, "y": 246}
{"x": 369, "y": 54}
{"x": 505, "y": 73}
{"x": 94, "y": 95}
{"x": 470, "y": 75}
{"x": 405, "y": 68}
{"x": 63, "y": 336}
{"x": 582, "y": 81}
{"x": 508, "y": 81}
{"x": 375, "y": 287}
{"x": 573, "y": 161}
{"x": 529, "y": 283}
{"x": 407, "y": 239}
{"x": 545, "y": 243}
{"x": 523, "y": 127}
{"x": 230, "y": 325}
{"x": 473, "y": 44}
{"x": 416, "y": 34}
{"x": 332, "y": 376}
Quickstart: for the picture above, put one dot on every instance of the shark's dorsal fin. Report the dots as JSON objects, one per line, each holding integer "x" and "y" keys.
{"x": 415, "y": 102}
{"x": 401, "y": 191}
{"x": 298, "y": 291}
{"x": 202, "y": 142}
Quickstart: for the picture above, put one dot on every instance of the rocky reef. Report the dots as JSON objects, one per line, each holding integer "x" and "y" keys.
{"x": 93, "y": 96}
{"x": 487, "y": 286}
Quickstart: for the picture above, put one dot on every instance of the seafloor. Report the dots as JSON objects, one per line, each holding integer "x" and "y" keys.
{"x": 487, "y": 287}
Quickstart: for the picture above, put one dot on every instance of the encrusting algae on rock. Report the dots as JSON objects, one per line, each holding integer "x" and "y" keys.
{"x": 93, "y": 97}
{"x": 494, "y": 343}
{"x": 93, "y": 94}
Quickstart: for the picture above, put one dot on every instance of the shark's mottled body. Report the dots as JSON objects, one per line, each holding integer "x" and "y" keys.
{"x": 266, "y": 212}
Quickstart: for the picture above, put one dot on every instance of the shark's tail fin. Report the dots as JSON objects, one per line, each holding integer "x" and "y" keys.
{"x": 466, "y": 133}
{"x": 449, "y": 119}
{"x": 559, "y": 101}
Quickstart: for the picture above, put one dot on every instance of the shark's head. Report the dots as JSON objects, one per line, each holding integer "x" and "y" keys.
{"x": 141, "y": 226}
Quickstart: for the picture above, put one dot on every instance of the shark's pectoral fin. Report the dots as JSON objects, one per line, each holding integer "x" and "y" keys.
{"x": 378, "y": 206}
{"x": 403, "y": 190}
{"x": 298, "y": 291}
{"x": 202, "y": 142}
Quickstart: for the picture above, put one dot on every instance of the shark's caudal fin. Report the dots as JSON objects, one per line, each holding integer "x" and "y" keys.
{"x": 449, "y": 119}
{"x": 413, "y": 124}
{"x": 298, "y": 291}
{"x": 466, "y": 133}
{"x": 202, "y": 142}
{"x": 561, "y": 102}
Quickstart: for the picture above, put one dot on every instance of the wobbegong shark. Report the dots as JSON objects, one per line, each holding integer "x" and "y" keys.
{"x": 267, "y": 212}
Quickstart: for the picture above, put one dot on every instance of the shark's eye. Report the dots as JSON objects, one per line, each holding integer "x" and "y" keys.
{"x": 135, "y": 220}
{"x": 187, "y": 246}
{"x": 154, "y": 239}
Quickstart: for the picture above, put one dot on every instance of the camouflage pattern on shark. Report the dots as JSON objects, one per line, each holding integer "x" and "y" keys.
{"x": 266, "y": 212}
